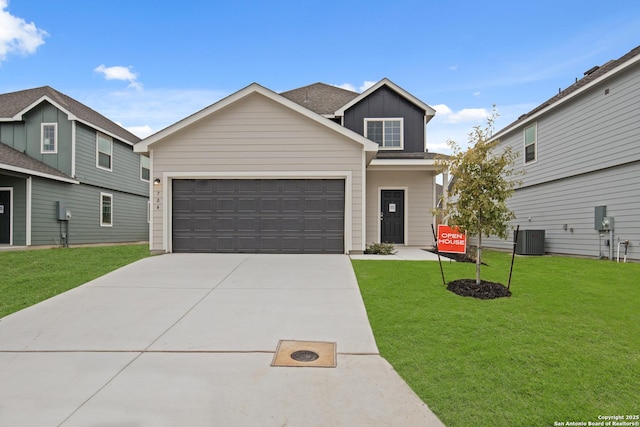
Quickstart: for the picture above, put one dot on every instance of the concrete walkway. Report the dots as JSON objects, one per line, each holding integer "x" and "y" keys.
{"x": 404, "y": 253}
{"x": 188, "y": 340}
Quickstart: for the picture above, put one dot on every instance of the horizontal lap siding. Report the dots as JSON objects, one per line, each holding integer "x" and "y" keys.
{"x": 129, "y": 214}
{"x": 588, "y": 154}
{"x": 125, "y": 174}
{"x": 258, "y": 135}
{"x": 572, "y": 202}
{"x": 593, "y": 131}
{"x": 419, "y": 204}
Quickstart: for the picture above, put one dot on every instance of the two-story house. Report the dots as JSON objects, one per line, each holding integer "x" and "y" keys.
{"x": 580, "y": 151}
{"x": 318, "y": 169}
{"x": 68, "y": 175}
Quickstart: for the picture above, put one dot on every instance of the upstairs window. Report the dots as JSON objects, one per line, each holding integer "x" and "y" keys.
{"x": 49, "y": 136}
{"x": 145, "y": 168}
{"x": 387, "y": 133}
{"x": 104, "y": 152}
{"x": 530, "y": 143}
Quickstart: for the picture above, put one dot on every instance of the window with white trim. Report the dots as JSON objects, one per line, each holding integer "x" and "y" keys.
{"x": 106, "y": 210}
{"x": 530, "y": 143}
{"x": 104, "y": 152}
{"x": 145, "y": 168}
{"x": 387, "y": 133}
{"x": 49, "y": 136}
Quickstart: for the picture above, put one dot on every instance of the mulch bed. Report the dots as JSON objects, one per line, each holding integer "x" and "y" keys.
{"x": 455, "y": 257}
{"x": 486, "y": 290}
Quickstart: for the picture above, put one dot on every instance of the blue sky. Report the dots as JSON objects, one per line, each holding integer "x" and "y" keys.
{"x": 147, "y": 64}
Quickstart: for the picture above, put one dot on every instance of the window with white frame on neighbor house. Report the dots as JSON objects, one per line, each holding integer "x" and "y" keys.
{"x": 145, "y": 168}
{"x": 49, "y": 136}
{"x": 106, "y": 210}
{"x": 104, "y": 152}
{"x": 530, "y": 143}
{"x": 387, "y": 133}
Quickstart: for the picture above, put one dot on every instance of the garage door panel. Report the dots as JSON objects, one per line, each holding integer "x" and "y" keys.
{"x": 270, "y": 215}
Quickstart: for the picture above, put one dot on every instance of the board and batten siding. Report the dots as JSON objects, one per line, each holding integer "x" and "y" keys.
{"x": 419, "y": 202}
{"x": 588, "y": 155}
{"x": 129, "y": 214}
{"x": 26, "y": 136}
{"x": 257, "y": 136}
{"x": 386, "y": 103}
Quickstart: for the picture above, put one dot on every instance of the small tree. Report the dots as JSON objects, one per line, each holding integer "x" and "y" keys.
{"x": 481, "y": 185}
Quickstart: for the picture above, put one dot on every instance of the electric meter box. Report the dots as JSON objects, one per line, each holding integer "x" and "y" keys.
{"x": 608, "y": 223}
{"x": 600, "y": 213}
{"x": 61, "y": 210}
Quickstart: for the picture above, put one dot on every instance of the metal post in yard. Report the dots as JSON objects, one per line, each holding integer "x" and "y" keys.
{"x": 438, "y": 253}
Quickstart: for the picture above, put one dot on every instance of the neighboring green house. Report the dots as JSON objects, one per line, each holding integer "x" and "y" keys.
{"x": 68, "y": 175}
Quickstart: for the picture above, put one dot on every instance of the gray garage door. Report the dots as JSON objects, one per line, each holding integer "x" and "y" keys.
{"x": 258, "y": 215}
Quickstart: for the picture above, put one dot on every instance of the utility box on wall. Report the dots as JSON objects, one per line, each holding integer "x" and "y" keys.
{"x": 61, "y": 210}
{"x": 530, "y": 242}
{"x": 62, "y": 213}
{"x": 600, "y": 213}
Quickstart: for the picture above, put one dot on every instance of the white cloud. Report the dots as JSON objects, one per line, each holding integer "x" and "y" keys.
{"x": 466, "y": 115}
{"x": 364, "y": 86}
{"x": 16, "y": 35}
{"x": 453, "y": 67}
{"x": 146, "y": 112}
{"x": 119, "y": 73}
{"x": 140, "y": 131}
{"x": 347, "y": 86}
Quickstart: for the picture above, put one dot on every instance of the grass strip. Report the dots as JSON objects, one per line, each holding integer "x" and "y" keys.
{"x": 563, "y": 348}
{"x": 31, "y": 276}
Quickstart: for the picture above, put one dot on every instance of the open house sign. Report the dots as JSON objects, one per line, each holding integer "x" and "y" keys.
{"x": 451, "y": 240}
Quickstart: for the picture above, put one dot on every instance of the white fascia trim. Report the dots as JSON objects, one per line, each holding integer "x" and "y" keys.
{"x": 429, "y": 111}
{"x": 10, "y": 190}
{"x": 364, "y": 202}
{"x": 143, "y": 146}
{"x": 70, "y": 116}
{"x": 168, "y": 177}
{"x": 403, "y": 162}
{"x": 73, "y": 148}
{"x": 28, "y": 208}
{"x": 567, "y": 98}
{"x": 36, "y": 173}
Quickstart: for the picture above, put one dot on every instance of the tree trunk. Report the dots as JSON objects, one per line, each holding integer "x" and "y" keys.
{"x": 478, "y": 258}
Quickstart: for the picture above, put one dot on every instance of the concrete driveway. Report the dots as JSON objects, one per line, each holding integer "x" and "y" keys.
{"x": 188, "y": 340}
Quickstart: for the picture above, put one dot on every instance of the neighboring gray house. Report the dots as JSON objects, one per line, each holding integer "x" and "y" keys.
{"x": 68, "y": 175}
{"x": 580, "y": 151}
{"x": 318, "y": 169}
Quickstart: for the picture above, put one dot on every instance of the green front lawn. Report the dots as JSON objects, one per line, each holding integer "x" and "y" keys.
{"x": 564, "y": 347}
{"x": 28, "y": 277}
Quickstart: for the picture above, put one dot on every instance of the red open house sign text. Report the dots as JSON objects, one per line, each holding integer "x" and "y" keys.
{"x": 451, "y": 240}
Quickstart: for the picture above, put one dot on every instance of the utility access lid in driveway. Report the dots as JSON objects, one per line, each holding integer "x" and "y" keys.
{"x": 258, "y": 215}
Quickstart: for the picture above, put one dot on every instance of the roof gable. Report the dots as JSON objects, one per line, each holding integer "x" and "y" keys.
{"x": 429, "y": 111}
{"x": 232, "y": 99}
{"x": 15, "y": 104}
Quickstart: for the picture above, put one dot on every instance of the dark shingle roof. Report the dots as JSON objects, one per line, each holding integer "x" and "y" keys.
{"x": 589, "y": 76}
{"x": 320, "y": 98}
{"x": 15, "y": 159}
{"x": 15, "y": 102}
